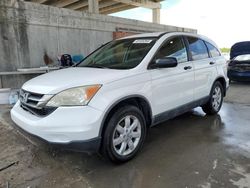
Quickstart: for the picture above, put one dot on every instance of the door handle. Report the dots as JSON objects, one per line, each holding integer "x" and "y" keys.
{"x": 212, "y": 63}
{"x": 187, "y": 67}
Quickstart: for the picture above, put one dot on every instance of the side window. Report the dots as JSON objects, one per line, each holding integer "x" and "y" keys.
{"x": 197, "y": 48}
{"x": 173, "y": 48}
{"x": 214, "y": 52}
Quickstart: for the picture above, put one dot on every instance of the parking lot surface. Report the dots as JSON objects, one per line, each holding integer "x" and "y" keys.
{"x": 192, "y": 150}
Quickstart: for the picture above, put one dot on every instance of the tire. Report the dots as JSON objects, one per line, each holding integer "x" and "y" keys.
{"x": 121, "y": 139}
{"x": 214, "y": 104}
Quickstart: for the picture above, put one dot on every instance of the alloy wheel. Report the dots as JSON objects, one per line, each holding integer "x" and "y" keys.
{"x": 216, "y": 98}
{"x": 127, "y": 135}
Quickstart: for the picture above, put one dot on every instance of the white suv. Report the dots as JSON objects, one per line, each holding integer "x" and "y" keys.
{"x": 107, "y": 102}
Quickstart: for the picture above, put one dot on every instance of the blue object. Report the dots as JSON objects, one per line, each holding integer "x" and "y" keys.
{"x": 238, "y": 76}
{"x": 77, "y": 58}
{"x": 13, "y": 98}
{"x": 240, "y": 48}
{"x": 239, "y": 69}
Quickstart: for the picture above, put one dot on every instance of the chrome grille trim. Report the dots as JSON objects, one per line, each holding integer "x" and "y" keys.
{"x": 35, "y": 103}
{"x": 31, "y": 105}
{"x": 30, "y": 99}
{"x": 33, "y": 98}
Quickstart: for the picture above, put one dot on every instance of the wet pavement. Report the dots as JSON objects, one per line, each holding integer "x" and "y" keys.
{"x": 192, "y": 150}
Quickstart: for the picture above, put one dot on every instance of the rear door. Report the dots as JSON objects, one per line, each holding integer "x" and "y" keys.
{"x": 204, "y": 67}
{"x": 172, "y": 87}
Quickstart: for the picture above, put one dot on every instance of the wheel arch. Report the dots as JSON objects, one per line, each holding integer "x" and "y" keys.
{"x": 222, "y": 80}
{"x": 137, "y": 100}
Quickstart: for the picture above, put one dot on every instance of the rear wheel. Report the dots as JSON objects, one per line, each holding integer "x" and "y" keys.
{"x": 124, "y": 135}
{"x": 214, "y": 104}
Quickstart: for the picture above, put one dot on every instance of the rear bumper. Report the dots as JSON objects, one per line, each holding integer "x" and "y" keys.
{"x": 238, "y": 76}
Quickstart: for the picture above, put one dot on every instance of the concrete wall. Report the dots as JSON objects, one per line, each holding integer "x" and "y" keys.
{"x": 30, "y": 30}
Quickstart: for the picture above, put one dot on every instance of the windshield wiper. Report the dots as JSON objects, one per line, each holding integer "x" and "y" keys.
{"x": 96, "y": 66}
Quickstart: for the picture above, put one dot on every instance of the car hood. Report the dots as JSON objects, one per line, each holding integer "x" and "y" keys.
{"x": 56, "y": 81}
{"x": 240, "y": 48}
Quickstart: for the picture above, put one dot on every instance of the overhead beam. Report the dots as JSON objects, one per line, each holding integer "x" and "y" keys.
{"x": 39, "y": 1}
{"x": 106, "y": 4}
{"x": 144, "y": 3}
{"x": 116, "y": 9}
{"x": 77, "y": 5}
{"x": 64, "y": 3}
{"x": 101, "y": 5}
{"x": 85, "y": 5}
{"x": 111, "y": 7}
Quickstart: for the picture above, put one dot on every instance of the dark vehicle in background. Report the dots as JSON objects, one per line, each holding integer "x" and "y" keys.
{"x": 239, "y": 63}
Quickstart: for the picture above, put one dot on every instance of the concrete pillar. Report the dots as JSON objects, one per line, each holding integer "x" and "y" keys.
{"x": 156, "y": 15}
{"x": 94, "y": 6}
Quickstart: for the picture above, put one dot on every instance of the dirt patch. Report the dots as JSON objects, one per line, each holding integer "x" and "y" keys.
{"x": 36, "y": 164}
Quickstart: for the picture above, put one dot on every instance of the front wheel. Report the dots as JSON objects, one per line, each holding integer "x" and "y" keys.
{"x": 214, "y": 104}
{"x": 124, "y": 135}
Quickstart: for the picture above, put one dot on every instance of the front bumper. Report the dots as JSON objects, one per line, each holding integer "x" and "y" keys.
{"x": 238, "y": 76}
{"x": 68, "y": 126}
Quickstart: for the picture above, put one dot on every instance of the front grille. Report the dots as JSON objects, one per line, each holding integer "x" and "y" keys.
{"x": 31, "y": 103}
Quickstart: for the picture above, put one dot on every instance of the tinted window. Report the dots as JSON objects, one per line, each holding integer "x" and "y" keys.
{"x": 197, "y": 48}
{"x": 214, "y": 52}
{"x": 173, "y": 48}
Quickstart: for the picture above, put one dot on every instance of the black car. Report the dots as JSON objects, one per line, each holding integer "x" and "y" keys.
{"x": 239, "y": 63}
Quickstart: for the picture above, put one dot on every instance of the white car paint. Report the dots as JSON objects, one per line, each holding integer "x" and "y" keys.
{"x": 164, "y": 89}
{"x": 181, "y": 83}
{"x": 46, "y": 83}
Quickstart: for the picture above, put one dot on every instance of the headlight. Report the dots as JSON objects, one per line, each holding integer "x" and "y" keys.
{"x": 77, "y": 96}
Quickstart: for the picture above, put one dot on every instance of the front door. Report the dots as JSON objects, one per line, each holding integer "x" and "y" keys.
{"x": 172, "y": 87}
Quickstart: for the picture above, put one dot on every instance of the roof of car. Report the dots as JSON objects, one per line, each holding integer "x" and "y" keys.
{"x": 160, "y": 34}
{"x": 156, "y": 34}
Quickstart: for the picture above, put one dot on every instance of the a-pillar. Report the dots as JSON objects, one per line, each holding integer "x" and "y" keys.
{"x": 94, "y": 6}
{"x": 156, "y": 15}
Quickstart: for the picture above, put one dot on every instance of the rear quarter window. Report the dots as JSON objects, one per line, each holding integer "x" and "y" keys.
{"x": 214, "y": 52}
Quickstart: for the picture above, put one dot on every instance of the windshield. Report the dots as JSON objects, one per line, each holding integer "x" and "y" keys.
{"x": 119, "y": 54}
{"x": 242, "y": 57}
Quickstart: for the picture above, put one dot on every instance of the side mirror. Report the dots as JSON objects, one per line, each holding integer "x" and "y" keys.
{"x": 166, "y": 62}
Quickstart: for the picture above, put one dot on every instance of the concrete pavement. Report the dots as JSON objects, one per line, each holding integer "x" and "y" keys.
{"x": 192, "y": 150}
